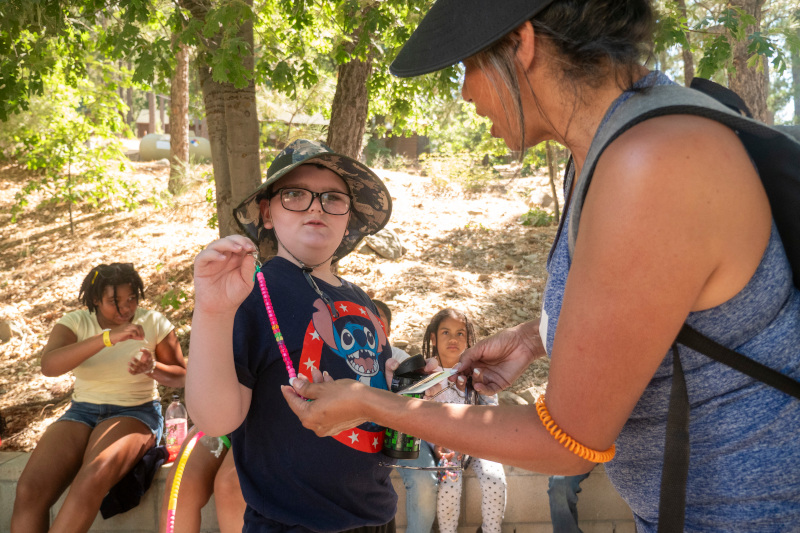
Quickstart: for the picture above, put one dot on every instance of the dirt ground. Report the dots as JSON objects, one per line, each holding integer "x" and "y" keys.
{"x": 464, "y": 250}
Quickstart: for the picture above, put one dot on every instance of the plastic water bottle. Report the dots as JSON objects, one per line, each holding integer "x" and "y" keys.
{"x": 177, "y": 426}
{"x": 214, "y": 444}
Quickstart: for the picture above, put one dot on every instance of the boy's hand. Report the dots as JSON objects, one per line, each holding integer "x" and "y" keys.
{"x": 223, "y": 274}
{"x": 391, "y": 366}
{"x": 495, "y": 362}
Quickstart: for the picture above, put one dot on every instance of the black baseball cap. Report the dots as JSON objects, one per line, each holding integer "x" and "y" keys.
{"x": 454, "y": 30}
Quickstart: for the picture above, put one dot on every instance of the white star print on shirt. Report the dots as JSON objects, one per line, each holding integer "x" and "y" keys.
{"x": 353, "y": 437}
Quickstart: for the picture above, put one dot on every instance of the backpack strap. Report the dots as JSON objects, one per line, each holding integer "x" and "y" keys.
{"x": 722, "y": 94}
{"x": 774, "y": 153}
{"x": 691, "y": 338}
{"x": 675, "y": 468}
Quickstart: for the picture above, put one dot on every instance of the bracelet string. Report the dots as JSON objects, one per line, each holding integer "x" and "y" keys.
{"x": 568, "y": 442}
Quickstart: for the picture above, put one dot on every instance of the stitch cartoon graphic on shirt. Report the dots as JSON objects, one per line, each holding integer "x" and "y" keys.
{"x": 358, "y": 339}
{"x": 357, "y": 342}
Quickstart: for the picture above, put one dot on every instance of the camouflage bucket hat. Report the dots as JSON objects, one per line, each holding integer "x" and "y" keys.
{"x": 371, "y": 203}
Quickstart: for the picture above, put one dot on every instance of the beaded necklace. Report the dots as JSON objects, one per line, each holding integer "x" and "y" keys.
{"x": 273, "y": 320}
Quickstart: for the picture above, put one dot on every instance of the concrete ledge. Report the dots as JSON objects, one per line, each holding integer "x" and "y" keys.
{"x": 600, "y": 508}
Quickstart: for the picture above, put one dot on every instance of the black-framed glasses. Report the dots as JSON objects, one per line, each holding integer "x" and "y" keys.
{"x": 299, "y": 199}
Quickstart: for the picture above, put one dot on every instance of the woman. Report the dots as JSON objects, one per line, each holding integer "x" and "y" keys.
{"x": 675, "y": 228}
{"x": 118, "y": 353}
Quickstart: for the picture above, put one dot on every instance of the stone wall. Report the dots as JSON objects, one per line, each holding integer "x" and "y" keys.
{"x": 600, "y": 508}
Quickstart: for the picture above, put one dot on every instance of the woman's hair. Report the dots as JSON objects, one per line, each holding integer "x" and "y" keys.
{"x": 112, "y": 275}
{"x": 591, "y": 39}
{"x": 429, "y": 350}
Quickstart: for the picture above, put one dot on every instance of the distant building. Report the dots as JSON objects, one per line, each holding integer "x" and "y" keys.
{"x": 143, "y": 123}
{"x": 409, "y": 147}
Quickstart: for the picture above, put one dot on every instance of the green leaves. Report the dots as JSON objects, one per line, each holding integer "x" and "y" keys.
{"x": 70, "y": 139}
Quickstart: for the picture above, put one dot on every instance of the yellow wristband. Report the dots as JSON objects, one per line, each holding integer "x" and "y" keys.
{"x": 107, "y": 338}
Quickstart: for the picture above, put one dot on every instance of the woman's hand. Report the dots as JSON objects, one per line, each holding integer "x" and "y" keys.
{"x": 336, "y": 405}
{"x": 223, "y": 274}
{"x": 497, "y": 361}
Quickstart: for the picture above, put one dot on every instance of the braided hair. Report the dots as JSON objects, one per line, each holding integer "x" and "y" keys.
{"x": 429, "y": 350}
{"x": 112, "y": 275}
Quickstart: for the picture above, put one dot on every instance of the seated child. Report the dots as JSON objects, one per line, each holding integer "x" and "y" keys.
{"x": 119, "y": 353}
{"x": 420, "y": 480}
{"x": 449, "y": 333}
{"x": 314, "y": 208}
{"x": 208, "y": 470}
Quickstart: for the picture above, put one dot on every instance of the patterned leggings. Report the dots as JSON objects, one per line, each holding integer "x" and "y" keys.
{"x": 492, "y": 479}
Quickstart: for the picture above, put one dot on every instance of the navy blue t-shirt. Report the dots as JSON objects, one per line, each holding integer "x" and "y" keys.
{"x": 291, "y": 479}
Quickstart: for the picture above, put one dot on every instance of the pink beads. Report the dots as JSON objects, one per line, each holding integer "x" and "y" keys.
{"x": 273, "y": 320}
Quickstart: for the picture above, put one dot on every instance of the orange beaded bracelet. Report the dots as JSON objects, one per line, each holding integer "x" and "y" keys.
{"x": 569, "y": 443}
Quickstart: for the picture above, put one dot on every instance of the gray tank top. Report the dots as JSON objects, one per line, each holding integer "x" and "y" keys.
{"x": 744, "y": 473}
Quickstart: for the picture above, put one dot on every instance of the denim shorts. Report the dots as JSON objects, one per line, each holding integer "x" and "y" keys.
{"x": 92, "y": 414}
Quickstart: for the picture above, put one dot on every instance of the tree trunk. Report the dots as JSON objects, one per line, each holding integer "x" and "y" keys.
{"x": 796, "y": 82}
{"x": 179, "y": 118}
{"x": 130, "y": 119}
{"x": 686, "y": 51}
{"x": 129, "y": 100}
{"x": 231, "y": 137}
{"x": 151, "y": 111}
{"x": 162, "y": 113}
{"x": 241, "y": 119}
{"x": 749, "y": 82}
{"x": 214, "y": 101}
{"x": 349, "y": 108}
{"x": 350, "y": 102}
{"x": 120, "y": 88}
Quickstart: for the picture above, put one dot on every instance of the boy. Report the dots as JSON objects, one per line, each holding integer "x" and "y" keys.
{"x": 313, "y": 209}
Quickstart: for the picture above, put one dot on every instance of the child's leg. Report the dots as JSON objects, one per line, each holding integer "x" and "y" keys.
{"x": 492, "y": 479}
{"x": 421, "y": 491}
{"x": 114, "y": 447}
{"x": 448, "y": 503}
{"x": 49, "y": 471}
{"x": 228, "y": 497}
{"x": 196, "y": 484}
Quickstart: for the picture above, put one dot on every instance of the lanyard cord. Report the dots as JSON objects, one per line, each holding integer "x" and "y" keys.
{"x": 307, "y": 270}
{"x": 325, "y": 297}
